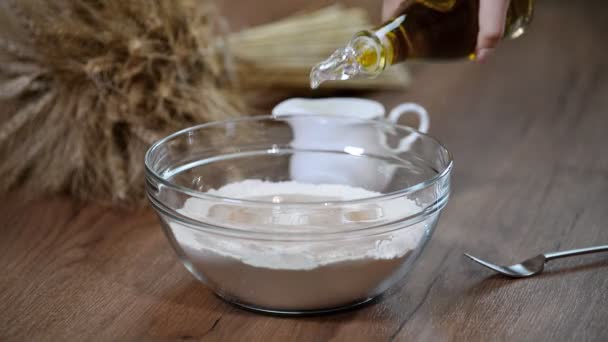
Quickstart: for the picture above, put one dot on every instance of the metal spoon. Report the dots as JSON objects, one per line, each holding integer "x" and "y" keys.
{"x": 535, "y": 265}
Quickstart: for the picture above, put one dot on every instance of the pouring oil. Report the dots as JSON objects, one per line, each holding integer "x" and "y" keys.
{"x": 424, "y": 29}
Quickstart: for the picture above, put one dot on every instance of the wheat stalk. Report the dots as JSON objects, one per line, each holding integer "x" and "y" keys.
{"x": 87, "y": 85}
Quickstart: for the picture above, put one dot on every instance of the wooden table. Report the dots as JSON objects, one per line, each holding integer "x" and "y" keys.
{"x": 529, "y": 132}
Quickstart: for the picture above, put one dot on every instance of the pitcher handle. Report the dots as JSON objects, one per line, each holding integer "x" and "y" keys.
{"x": 423, "y": 126}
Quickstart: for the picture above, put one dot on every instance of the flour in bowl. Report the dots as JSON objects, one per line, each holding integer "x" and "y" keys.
{"x": 342, "y": 260}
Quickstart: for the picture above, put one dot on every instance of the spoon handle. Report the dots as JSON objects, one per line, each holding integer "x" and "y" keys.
{"x": 573, "y": 252}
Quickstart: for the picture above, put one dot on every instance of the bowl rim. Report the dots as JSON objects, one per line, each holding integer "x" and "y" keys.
{"x": 230, "y": 200}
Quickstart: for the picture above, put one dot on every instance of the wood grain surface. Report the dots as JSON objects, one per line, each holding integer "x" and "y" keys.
{"x": 529, "y": 132}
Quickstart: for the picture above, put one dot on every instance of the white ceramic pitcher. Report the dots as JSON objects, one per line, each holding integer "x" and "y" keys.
{"x": 320, "y": 168}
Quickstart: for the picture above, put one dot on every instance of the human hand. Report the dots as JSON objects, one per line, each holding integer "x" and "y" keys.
{"x": 492, "y": 17}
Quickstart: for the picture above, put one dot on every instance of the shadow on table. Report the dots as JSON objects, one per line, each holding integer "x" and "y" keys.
{"x": 197, "y": 296}
{"x": 497, "y": 281}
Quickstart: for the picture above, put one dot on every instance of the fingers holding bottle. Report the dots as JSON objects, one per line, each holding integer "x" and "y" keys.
{"x": 492, "y": 18}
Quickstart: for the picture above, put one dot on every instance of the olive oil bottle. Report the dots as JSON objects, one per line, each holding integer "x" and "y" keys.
{"x": 424, "y": 29}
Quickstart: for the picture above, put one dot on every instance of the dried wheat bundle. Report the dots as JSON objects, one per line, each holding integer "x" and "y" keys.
{"x": 283, "y": 52}
{"x": 87, "y": 85}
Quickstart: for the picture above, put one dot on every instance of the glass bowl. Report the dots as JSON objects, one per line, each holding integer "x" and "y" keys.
{"x": 298, "y": 214}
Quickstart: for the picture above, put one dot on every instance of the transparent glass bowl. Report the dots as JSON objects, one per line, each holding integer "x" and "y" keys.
{"x": 292, "y": 254}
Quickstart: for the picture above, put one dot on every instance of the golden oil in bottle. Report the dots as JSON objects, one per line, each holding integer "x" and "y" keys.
{"x": 424, "y": 29}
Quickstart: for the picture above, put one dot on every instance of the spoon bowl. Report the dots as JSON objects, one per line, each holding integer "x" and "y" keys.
{"x": 527, "y": 268}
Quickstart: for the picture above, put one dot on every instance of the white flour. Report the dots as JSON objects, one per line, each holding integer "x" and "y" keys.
{"x": 298, "y": 255}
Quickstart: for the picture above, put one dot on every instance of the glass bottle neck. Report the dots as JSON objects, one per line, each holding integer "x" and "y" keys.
{"x": 372, "y": 54}
{"x": 366, "y": 55}
{"x": 374, "y": 48}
